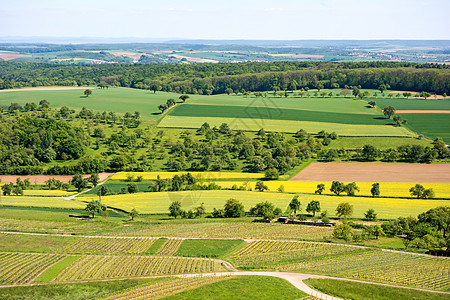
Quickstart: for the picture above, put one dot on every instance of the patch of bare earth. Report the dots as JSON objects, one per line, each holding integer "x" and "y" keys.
{"x": 6, "y": 55}
{"x": 416, "y": 95}
{"x": 49, "y": 88}
{"x": 134, "y": 56}
{"x": 422, "y": 111}
{"x": 374, "y": 172}
{"x": 44, "y": 178}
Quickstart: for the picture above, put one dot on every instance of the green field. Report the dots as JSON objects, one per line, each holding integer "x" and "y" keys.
{"x": 209, "y": 248}
{"x": 430, "y": 125}
{"x": 413, "y": 104}
{"x": 274, "y": 113}
{"x": 120, "y": 100}
{"x": 364, "y": 291}
{"x": 247, "y": 124}
{"x": 244, "y": 287}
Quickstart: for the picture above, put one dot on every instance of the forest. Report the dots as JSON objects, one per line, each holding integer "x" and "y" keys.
{"x": 226, "y": 77}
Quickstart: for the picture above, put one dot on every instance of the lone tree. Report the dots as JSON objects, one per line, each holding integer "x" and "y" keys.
{"x": 87, "y": 92}
{"x": 375, "y": 190}
{"x": 313, "y": 207}
{"x": 183, "y": 98}
{"x": 344, "y": 209}
{"x": 337, "y": 187}
{"x": 260, "y": 186}
{"x": 265, "y": 210}
{"x": 372, "y": 104}
{"x": 133, "y": 214}
{"x": 351, "y": 189}
{"x": 398, "y": 119}
{"x": 233, "y": 209}
{"x": 425, "y": 95}
{"x": 175, "y": 209}
{"x": 389, "y": 111}
{"x": 95, "y": 206}
{"x": 78, "y": 182}
{"x": 370, "y": 214}
{"x": 417, "y": 190}
{"x": 320, "y": 188}
{"x": 295, "y": 204}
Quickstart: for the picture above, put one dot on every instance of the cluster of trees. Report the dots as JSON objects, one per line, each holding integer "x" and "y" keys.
{"x": 175, "y": 211}
{"x": 429, "y": 230}
{"x": 404, "y": 153}
{"x": 221, "y": 78}
{"x": 17, "y": 188}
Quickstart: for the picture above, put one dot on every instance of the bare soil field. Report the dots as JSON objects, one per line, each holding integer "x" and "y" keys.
{"x": 416, "y": 95}
{"x": 134, "y": 56}
{"x": 422, "y": 111}
{"x": 49, "y": 88}
{"x": 6, "y": 55}
{"x": 44, "y": 178}
{"x": 374, "y": 172}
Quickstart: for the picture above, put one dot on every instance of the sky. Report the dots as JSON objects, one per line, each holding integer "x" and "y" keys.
{"x": 230, "y": 19}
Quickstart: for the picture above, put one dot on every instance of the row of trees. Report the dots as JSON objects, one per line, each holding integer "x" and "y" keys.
{"x": 220, "y": 78}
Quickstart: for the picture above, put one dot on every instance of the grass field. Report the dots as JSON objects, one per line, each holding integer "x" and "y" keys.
{"x": 209, "y": 248}
{"x": 49, "y": 202}
{"x": 244, "y": 287}
{"x": 380, "y": 143}
{"x": 152, "y": 203}
{"x": 364, "y": 291}
{"x": 255, "y": 124}
{"x": 120, "y": 100}
{"x": 272, "y": 113}
{"x": 430, "y": 125}
{"x": 413, "y": 104}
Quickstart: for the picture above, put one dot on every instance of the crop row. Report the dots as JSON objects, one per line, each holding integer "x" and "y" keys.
{"x": 22, "y": 268}
{"x": 261, "y": 247}
{"x": 165, "y": 288}
{"x": 103, "y": 267}
{"x": 170, "y": 247}
{"x": 110, "y": 245}
{"x": 371, "y": 265}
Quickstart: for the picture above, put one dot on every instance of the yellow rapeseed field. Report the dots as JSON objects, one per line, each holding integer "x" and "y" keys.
{"x": 151, "y": 203}
{"x": 199, "y": 175}
{"x": 49, "y": 193}
{"x": 387, "y": 189}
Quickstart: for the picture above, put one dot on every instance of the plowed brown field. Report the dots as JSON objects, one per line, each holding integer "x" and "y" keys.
{"x": 44, "y": 178}
{"x": 374, "y": 172}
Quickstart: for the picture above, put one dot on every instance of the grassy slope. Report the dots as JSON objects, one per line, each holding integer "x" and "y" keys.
{"x": 414, "y": 104}
{"x": 120, "y": 100}
{"x": 248, "y": 287}
{"x": 356, "y": 291}
{"x": 76, "y": 291}
{"x": 386, "y": 208}
{"x": 430, "y": 125}
{"x": 209, "y": 248}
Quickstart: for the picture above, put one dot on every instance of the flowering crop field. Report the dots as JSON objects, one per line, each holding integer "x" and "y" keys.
{"x": 109, "y": 245}
{"x": 200, "y": 176}
{"x": 23, "y": 268}
{"x": 48, "y": 193}
{"x": 151, "y": 203}
{"x": 348, "y": 262}
{"x": 387, "y": 189}
{"x": 91, "y": 267}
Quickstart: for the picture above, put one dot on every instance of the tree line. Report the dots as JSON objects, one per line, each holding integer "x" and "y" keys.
{"x": 223, "y": 77}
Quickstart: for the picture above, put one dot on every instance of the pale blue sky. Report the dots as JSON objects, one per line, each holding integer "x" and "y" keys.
{"x": 231, "y": 19}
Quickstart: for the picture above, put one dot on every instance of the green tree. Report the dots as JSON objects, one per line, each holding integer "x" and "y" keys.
{"x": 351, "y": 189}
{"x": 372, "y": 104}
{"x": 78, "y": 182}
{"x": 264, "y": 210}
{"x": 375, "y": 190}
{"x": 295, "y": 204}
{"x": 337, "y": 187}
{"x": 272, "y": 174}
{"x": 438, "y": 217}
{"x": 320, "y": 188}
{"x": 417, "y": 190}
{"x": 133, "y": 214}
{"x": 343, "y": 231}
{"x": 370, "y": 152}
{"x": 344, "y": 209}
{"x": 389, "y": 111}
{"x": 7, "y": 189}
{"x": 406, "y": 94}
{"x": 260, "y": 186}
{"x": 376, "y": 231}
{"x": 94, "y": 179}
{"x": 425, "y": 95}
{"x": 87, "y": 92}
{"x": 200, "y": 210}
{"x": 175, "y": 209}
{"x": 313, "y": 207}
{"x": 233, "y": 209}
{"x": 94, "y": 207}
{"x": 183, "y": 97}
{"x": 370, "y": 214}
{"x": 398, "y": 119}
{"x": 382, "y": 88}
{"x": 355, "y": 91}
{"x": 132, "y": 188}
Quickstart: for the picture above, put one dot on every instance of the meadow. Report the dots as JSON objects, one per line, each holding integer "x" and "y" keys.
{"x": 430, "y": 125}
